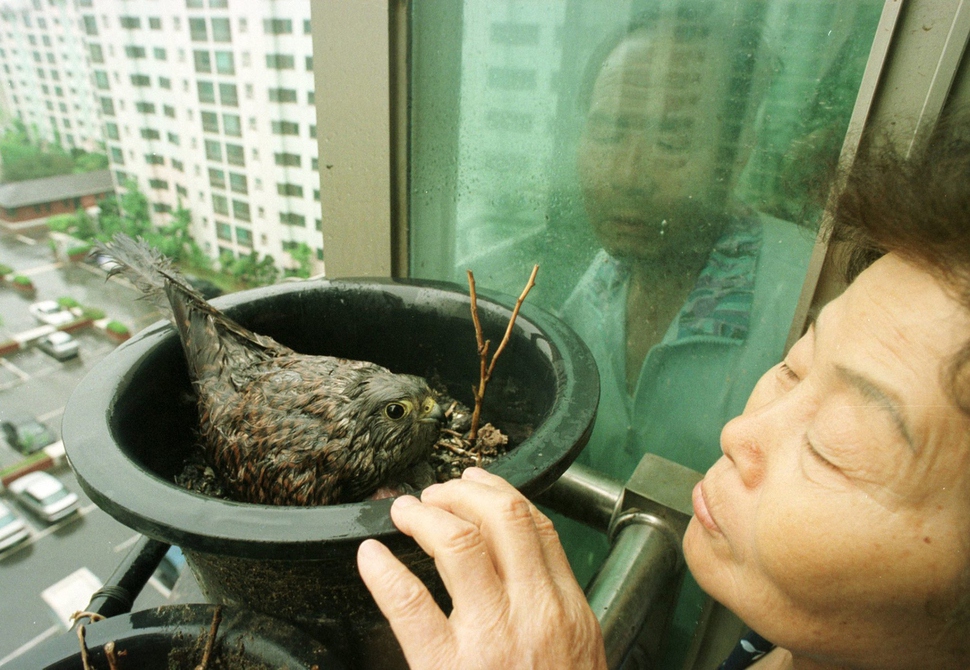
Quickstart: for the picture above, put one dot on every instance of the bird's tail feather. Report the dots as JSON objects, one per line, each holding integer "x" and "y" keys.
{"x": 147, "y": 269}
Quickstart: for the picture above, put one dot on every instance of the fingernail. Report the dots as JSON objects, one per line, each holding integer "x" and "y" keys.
{"x": 405, "y": 501}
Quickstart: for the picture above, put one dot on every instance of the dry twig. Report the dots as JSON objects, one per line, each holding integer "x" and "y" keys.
{"x": 485, "y": 371}
{"x": 85, "y": 661}
{"x": 109, "y": 653}
{"x": 209, "y": 643}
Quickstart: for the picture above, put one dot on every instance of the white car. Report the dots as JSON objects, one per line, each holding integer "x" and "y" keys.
{"x": 12, "y": 528}
{"x": 49, "y": 312}
{"x": 58, "y": 344}
{"x": 44, "y": 495}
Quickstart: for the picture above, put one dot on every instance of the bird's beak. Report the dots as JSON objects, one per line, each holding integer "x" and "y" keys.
{"x": 436, "y": 414}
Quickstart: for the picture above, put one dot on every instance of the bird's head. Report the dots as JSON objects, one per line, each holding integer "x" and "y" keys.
{"x": 402, "y": 415}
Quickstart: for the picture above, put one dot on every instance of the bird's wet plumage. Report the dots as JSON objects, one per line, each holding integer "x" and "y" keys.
{"x": 280, "y": 427}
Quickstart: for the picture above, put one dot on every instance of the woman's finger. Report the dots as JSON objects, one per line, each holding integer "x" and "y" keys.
{"x": 505, "y": 521}
{"x": 553, "y": 553}
{"x": 418, "y": 623}
{"x": 459, "y": 550}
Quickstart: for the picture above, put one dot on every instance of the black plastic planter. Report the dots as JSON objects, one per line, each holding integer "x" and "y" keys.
{"x": 176, "y": 636}
{"x": 129, "y": 425}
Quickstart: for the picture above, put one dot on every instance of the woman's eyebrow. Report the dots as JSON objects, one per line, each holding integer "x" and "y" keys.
{"x": 883, "y": 398}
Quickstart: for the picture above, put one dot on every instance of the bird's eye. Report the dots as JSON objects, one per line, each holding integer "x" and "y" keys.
{"x": 395, "y": 410}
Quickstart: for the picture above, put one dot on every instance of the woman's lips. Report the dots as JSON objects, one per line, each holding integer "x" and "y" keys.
{"x": 701, "y": 510}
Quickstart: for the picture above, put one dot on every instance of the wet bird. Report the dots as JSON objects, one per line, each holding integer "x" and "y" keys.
{"x": 279, "y": 427}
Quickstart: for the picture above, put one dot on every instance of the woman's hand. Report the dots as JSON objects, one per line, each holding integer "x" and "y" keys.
{"x": 515, "y": 600}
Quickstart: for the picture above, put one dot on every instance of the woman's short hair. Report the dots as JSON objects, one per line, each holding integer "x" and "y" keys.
{"x": 916, "y": 206}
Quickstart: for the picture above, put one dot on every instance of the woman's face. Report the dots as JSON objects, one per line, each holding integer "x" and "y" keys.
{"x": 651, "y": 148}
{"x": 837, "y": 523}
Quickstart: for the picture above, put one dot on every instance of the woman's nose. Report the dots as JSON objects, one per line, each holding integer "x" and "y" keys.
{"x": 743, "y": 442}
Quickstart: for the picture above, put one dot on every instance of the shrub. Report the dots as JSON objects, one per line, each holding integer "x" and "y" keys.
{"x": 5, "y": 269}
{"x": 67, "y": 302}
{"x": 78, "y": 250}
{"x": 117, "y": 327}
{"x": 92, "y": 313}
{"x": 22, "y": 280}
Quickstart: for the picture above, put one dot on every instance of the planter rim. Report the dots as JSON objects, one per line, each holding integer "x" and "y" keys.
{"x": 149, "y": 504}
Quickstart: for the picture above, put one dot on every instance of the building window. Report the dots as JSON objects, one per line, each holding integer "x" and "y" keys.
{"x": 218, "y": 4}
{"x": 159, "y": 53}
{"x": 135, "y": 51}
{"x": 217, "y": 178}
{"x": 224, "y": 231}
{"x": 287, "y": 160}
{"x": 237, "y": 182}
{"x": 221, "y": 31}
{"x": 197, "y": 30}
{"x": 90, "y": 25}
{"x": 101, "y": 80}
{"x": 306, "y": 27}
{"x": 291, "y": 219}
{"x": 235, "y": 154}
{"x": 145, "y": 107}
{"x": 210, "y": 122}
{"x": 309, "y": 63}
{"x": 180, "y": 166}
{"x": 111, "y": 130}
{"x": 294, "y": 190}
{"x": 313, "y": 130}
{"x": 244, "y": 236}
{"x": 173, "y": 139}
{"x": 154, "y": 23}
{"x": 107, "y": 106}
{"x": 130, "y": 22}
{"x": 158, "y": 184}
{"x": 213, "y": 150}
{"x": 231, "y": 125}
{"x": 277, "y": 26}
{"x": 285, "y": 128}
{"x": 94, "y": 51}
{"x": 225, "y": 63}
{"x": 169, "y": 111}
{"x": 310, "y": 98}
{"x": 165, "y": 82}
{"x": 154, "y": 159}
{"x": 282, "y": 95}
{"x": 116, "y": 155}
{"x": 279, "y": 62}
{"x": 149, "y": 134}
{"x": 314, "y": 163}
{"x": 193, "y": 4}
{"x": 207, "y": 92}
{"x": 228, "y": 95}
{"x": 202, "y": 61}
{"x": 161, "y": 207}
{"x": 140, "y": 80}
{"x": 220, "y": 205}
{"x": 240, "y": 210}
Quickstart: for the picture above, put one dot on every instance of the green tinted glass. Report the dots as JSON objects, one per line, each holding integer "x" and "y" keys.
{"x": 664, "y": 164}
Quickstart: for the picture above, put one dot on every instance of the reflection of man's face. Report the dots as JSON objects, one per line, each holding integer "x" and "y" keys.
{"x": 648, "y": 156}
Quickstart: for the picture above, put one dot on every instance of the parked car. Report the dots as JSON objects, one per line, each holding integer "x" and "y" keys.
{"x": 58, "y": 344}
{"x": 12, "y": 528}
{"x": 49, "y": 312}
{"x": 44, "y": 495}
{"x": 27, "y": 435}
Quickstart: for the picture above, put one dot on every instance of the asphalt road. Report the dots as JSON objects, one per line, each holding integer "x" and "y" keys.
{"x": 77, "y": 553}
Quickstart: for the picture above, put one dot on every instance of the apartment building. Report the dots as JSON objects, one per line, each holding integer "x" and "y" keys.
{"x": 204, "y": 103}
{"x": 45, "y": 81}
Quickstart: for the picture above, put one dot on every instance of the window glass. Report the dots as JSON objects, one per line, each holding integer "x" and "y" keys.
{"x": 221, "y": 31}
{"x": 224, "y": 62}
{"x": 655, "y": 159}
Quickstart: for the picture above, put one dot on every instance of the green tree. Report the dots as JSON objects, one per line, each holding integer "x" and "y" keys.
{"x": 301, "y": 254}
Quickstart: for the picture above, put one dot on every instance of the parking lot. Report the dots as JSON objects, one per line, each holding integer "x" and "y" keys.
{"x": 58, "y": 567}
